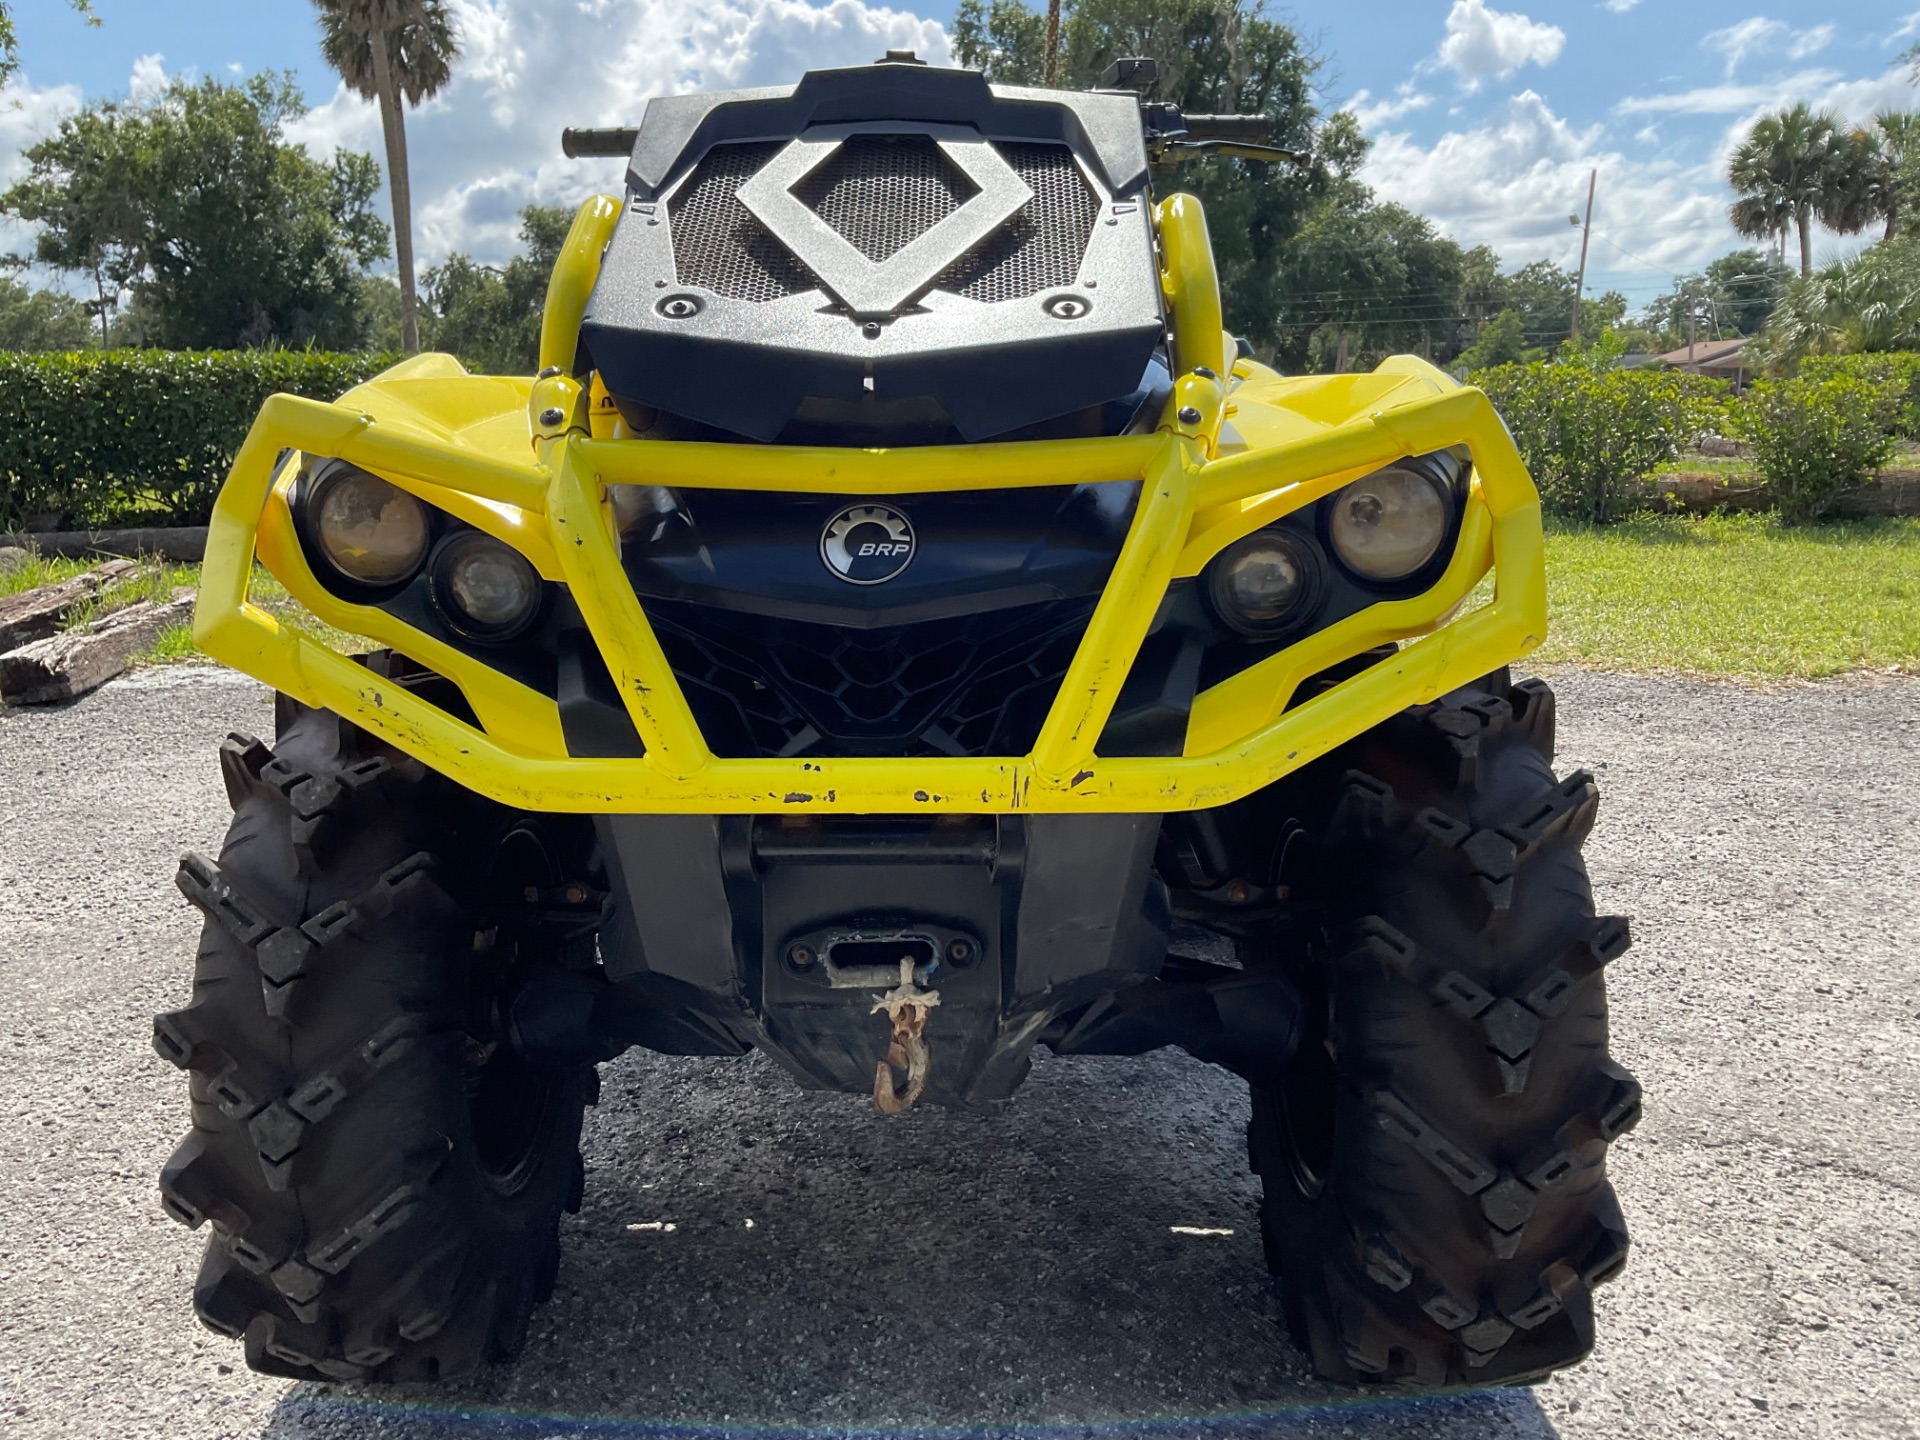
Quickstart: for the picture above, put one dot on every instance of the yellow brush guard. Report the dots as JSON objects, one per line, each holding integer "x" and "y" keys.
{"x": 1226, "y": 461}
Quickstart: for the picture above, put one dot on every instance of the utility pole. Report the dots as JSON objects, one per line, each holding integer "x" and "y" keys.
{"x": 1586, "y": 233}
{"x": 1053, "y": 43}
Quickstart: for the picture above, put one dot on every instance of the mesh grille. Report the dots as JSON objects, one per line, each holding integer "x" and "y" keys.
{"x": 882, "y": 191}
{"x": 976, "y": 685}
{"x": 717, "y": 244}
{"x": 1040, "y": 248}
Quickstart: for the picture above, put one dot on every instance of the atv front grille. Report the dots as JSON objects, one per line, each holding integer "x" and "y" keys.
{"x": 972, "y": 685}
{"x": 717, "y": 244}
{"x": 882, "y": 192}
{"x": 1040, "y": 248}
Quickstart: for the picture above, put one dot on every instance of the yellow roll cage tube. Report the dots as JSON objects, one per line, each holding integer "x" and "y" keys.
{"x": 530, "y": 463}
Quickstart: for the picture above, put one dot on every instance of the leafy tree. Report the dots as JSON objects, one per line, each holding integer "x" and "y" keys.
{"x": 224, "y": 233}
{"x": 1794, "y": 167}
{"x": 490, "y": 317}
{"x": 1364, "y": 280}
{"x": 40, "y": 319}
{"x": 1542, "y": 293}
{"x": 9, "y": 54}
{"x": 1502, "y": 342}
{"x": 83, "y": 190}
{"x": 1733, "y": 296}
{"x": 1215, "y": 56}
{"x": 399, "y": 53}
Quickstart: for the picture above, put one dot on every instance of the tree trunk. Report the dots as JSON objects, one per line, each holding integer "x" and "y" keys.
{"x": 1805, "y": 216}
{"x": 393, "y": 122}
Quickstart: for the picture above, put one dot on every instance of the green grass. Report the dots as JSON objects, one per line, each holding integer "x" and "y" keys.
{"x": 157, "y": 580}
{"x": 1735, "y": 595}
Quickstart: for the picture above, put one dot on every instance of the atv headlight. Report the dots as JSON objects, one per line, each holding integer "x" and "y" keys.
{"x": 1265, "y": 583}
{"x": 1390, "y": 524}
{"x": 485, "y": 589}
{"x": 372, "y": 532}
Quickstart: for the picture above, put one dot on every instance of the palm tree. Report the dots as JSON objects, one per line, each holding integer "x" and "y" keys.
{"x": 398, "y": 53}
{"x": 1786, "y": 171}
{"x": 1865, "y": 303}
{"x": 1900, "y": 158}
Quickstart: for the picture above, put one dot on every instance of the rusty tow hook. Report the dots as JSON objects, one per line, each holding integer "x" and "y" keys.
{"x": 906, "y": 1006}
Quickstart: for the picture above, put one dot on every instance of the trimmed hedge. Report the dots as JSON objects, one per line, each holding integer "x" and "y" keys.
{"x": 1818, "y": 436}
{"x": 91, "y": 439}
{"x": 1591, "y": 435}
{"x": 1900, "y": 368}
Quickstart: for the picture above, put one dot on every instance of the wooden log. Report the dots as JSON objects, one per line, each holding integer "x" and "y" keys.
{"x": 62, "y": 667}
{"x": 186, "y": 544}
{"x": 38, "y": 612}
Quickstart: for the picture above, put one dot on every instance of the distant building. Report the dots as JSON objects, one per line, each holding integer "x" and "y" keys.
{"x": 1722, "y": 359}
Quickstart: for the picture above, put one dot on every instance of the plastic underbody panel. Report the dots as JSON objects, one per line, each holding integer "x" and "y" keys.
{"x": 1055, "y": 911}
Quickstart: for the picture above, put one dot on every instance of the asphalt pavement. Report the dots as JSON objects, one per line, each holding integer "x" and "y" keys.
{"x": 756, "y": 1260}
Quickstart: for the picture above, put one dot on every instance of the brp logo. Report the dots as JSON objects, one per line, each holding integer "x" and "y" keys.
{"x": 867, "y": 544}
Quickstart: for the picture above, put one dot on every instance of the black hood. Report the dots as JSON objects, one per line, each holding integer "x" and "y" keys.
{"x": 889, "y": 254}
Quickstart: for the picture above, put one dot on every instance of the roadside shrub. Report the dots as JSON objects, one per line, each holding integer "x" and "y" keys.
{"x": 1896, "y": 367}
{"x": 141, "y": 437}
{"x": 1815, "y": 438}
{"x": 1591, "y": 434}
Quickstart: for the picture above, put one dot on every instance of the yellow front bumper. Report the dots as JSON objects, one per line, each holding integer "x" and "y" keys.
{"x": 441, "y": 434}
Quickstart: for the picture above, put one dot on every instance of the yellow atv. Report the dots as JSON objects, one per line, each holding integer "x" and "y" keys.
{"x": 896, "y": 628}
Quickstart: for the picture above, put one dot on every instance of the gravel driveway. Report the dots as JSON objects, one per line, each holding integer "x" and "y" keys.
{"x": 819, "y": 1269}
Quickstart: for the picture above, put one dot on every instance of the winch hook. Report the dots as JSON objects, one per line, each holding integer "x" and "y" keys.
{"x": 907, "y": 1006}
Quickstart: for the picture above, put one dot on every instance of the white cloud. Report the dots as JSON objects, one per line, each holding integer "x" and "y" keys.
{"x": 1729, "y": 99}
{"x": 1371, "y": 112}
{"x": 1758, "y": 35}
{"x": 1909, "y": 27}
{"x": 149, "y": 79}
{"x": 1512, "y": 180}
{"x": 1855, "y": 100}
{"x": 1618, "y": 7}
{"x": 1484, "y": 44}
{"x": 490, "y": 143}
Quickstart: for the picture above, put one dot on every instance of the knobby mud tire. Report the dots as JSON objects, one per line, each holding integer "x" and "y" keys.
{"x": 1436, "y": 1202}
{"x": 382, "y": 1206}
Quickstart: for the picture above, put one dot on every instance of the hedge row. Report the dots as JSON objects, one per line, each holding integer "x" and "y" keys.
{"x": 1592, "y": 434}
{"x": 140, "y": 437}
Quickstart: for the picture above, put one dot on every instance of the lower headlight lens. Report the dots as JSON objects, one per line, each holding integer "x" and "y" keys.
{"x": 1264, "y": 583}
{"x": 1389, "y": 524}
{"x": 487, "y": 589}
{"x": 370, "y": 531}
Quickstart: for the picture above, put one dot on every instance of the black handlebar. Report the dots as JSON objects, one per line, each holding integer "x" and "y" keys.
{"x": 1239, "y": 129}
{"x": 614, "y": 144}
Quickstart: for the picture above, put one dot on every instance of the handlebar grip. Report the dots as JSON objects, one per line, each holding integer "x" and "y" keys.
{"x": 1246, "y": 129}
{"x": 614, "y": 143}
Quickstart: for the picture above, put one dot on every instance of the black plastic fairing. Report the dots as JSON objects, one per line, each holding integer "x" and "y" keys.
{"x": 757, "y": 552}
{"x": 1105, "y": 128}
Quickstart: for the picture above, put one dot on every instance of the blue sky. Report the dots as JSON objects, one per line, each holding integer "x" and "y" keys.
{"x": 1486, "y": 116}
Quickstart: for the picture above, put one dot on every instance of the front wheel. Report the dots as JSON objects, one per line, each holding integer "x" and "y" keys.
{"x": 1436, "y": 1204}
{"x": 383, "y": 1176}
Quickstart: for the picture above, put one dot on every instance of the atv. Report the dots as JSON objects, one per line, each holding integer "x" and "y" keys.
{"x": 896, "y": 628}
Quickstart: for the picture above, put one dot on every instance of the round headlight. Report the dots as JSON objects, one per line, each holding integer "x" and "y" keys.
{"x": 371, "y": 532}
{"x": 1266, "y": 582}
{"x": 1389, "y": 524}
{"x": 486, "y": 589}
